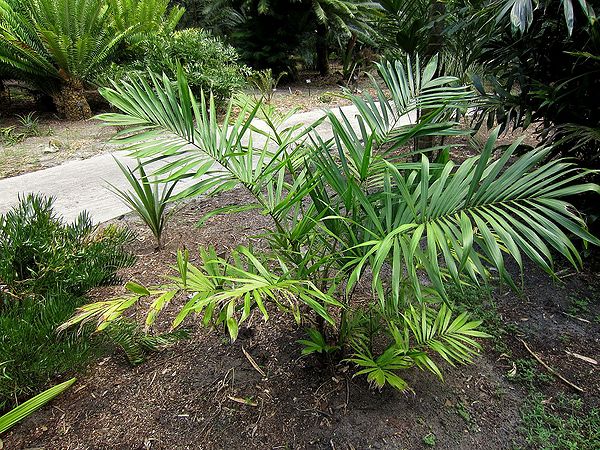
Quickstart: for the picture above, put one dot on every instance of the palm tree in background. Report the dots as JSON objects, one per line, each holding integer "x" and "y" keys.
{"x": 290, "y": 18}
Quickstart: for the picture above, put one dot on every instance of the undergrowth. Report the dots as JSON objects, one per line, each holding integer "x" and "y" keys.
{"x": 46, "y": 267}
{"x": 560, "y": 424}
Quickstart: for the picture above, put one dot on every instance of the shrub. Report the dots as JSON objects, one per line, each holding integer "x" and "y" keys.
{"x": 46, "y": 266}
{"x": 355, "y": 212}
{"x": 146, "y": 17}
{"x": 41, "y": 254}
{"x": 208, "y": 63}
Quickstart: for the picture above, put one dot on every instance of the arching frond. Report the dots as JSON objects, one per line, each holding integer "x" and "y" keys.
{"x": 462, "y": 220}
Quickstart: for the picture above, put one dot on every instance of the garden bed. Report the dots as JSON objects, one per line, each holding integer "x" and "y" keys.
{"x": 206, "y": 393}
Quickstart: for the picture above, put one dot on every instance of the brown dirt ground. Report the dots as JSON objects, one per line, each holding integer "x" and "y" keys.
{"x": 188, "y": 397}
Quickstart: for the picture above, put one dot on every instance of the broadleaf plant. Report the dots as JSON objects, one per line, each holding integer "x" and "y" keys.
{"x": 367, "y": 210}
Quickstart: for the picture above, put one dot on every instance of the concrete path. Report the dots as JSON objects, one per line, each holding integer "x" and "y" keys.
{"x": 79, "y": 185}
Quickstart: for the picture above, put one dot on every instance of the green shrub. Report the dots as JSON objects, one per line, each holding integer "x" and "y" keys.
{"x": 352, "y": 212}
{"x": 41, "y": 254}
{"x": 208, "y": 63}
{"x": 46, "y": 266}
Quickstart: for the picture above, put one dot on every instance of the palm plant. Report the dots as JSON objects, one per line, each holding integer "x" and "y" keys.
{"x": 146, "y": 16}
{"x": 350, "y": 212}
{"x": 148, "y": 200}
{"x": 58, "y": 45}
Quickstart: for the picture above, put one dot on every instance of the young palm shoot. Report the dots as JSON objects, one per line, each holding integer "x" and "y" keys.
{"x": 148, "y": 199}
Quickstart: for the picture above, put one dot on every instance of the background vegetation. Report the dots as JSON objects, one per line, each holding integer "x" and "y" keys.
{"x": 381, "y": 209}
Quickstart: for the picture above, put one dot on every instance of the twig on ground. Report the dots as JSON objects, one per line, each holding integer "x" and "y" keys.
{"x": 550, "y": 369}
{"x": 581, "y": 357}
{"x": 254, "y": 364}
{"x": 575, "y": 317}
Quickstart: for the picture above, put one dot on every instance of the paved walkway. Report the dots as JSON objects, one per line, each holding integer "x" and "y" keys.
{"x": 79, "y": 185}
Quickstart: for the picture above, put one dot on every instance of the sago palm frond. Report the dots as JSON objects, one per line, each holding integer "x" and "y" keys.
{"x": 146, "y": 16}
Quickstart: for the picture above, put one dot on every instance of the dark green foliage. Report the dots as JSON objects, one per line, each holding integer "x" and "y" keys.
{"x": 279, "y": 34}
{"x": 270, "y": 40}
{"x": 547, "y": 71}
{"x": 560, "y": 424}
{"x": 137, "y": 344}
{"x": 41, "y": 254}
{"x": 32, "y": 353}
{"x": 57, "y": 46}
{"x": 530, "y": 374}
{"x": 208, "y": 63}
{"x": 46, "y": 266}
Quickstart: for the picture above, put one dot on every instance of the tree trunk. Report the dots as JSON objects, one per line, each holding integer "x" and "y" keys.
{"x": 70, "y": 101}
{"x": 4, "y": 94}
{"x": 322, "y": 49}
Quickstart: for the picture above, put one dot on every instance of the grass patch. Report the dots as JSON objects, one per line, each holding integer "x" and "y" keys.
{"x": 528, "y": 373}
{"x": 579, "y": 306}
{"x": 559, "y": 425}
{"x": 479, "y": 302}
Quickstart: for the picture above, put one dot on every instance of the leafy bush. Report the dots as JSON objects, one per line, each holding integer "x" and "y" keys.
{"x": 207, "y": 63}
{"x": 41, "y": 254}
{"x": 45, "y": 268}
{"x": 352, "y": 212}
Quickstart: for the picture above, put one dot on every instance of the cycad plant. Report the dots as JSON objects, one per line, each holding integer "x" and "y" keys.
{"x": 58, "y": 45}
{"x": 147, "y": 17}
{"x": 362, "y": 235}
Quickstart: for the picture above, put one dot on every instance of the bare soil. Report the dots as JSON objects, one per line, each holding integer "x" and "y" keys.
{"x": 203, "y": 393}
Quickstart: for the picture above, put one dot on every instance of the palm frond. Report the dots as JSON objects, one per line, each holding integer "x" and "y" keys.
{"x": 473, "y": 214}
{"x": 412, "y": 90}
